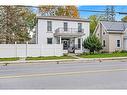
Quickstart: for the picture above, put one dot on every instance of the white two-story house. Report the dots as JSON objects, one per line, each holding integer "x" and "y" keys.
{"x": 68, "y": 33}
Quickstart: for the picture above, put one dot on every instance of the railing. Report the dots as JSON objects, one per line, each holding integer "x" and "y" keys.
{"x": 70, "y": 31}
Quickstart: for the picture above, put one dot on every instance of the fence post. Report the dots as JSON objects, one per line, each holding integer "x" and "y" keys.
{"x": 15, "y": 49}
{"x": 26, "y": 48}
{"x": 54, "y": 50}
{"x": 40, "y": 49}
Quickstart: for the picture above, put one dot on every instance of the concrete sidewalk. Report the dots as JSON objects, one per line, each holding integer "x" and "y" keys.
{"x": 62, "y": 60}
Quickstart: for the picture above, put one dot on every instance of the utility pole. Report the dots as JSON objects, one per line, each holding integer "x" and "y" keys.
{"x": 110, "y": 13}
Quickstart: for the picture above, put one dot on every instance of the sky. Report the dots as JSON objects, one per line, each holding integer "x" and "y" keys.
{"x": 87, "y": 14}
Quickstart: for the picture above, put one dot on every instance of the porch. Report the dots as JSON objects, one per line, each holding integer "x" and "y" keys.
{"x": 70, "y": 44}
{"x": 71, "y": 38}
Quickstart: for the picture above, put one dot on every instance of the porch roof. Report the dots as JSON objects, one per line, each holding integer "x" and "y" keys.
{"x": 69, "y": 34}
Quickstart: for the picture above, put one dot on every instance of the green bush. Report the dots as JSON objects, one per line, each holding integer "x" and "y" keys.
{"x": 92, "y": 43}
{"x": 116, "y": 51}
{"x": 123, "y": 51}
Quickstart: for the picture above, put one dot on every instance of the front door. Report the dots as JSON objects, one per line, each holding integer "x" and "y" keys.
{"x": 65, "y": 44}
{"x": 71, "y": 49}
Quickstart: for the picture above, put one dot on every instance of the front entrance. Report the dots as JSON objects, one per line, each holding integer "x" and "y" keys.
{"x": 68, "y": 44}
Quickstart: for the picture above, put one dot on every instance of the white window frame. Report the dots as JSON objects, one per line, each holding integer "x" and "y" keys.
{"x": 104, "y": 43}
{"x": 48, "y": 40}
{"x": 49, "y": 26}
{"x": 118, "y": 43}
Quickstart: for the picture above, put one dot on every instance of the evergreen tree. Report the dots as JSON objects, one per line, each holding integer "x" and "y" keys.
{"x": 92, "y": 43}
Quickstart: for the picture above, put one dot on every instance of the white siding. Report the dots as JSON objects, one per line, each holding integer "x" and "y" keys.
{"x": 41, "y": 48}
{"x": 43, "y": 34}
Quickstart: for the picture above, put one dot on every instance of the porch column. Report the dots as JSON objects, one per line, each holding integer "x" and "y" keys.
{"x": 60, "y": 39}
{"x": 81, "y": 43}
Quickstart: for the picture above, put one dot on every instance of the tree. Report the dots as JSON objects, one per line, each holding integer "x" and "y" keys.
{"x": 124, "y": 19}
{"x": 94, "y": 19}
{"x": 70, "y": 11}
{"x": 93, "y": 23}
{"x": 92, "y": 43}
{"x": 15, "y": 23}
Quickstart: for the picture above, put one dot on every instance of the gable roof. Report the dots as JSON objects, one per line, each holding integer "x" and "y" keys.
{"x": 63, "y": 18}
{"x": 114, "y": 26}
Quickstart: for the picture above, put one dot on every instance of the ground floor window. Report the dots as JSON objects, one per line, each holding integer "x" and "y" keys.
{"x": 49, "y": 40}
{"x": 103, "y": 43}
{"x": 118, "y": 43}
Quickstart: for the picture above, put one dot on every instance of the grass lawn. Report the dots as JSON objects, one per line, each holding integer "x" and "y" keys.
{"x": 49, "y": 58}
{"x": 9, "y": 59}
{"x": 103, "y": 55}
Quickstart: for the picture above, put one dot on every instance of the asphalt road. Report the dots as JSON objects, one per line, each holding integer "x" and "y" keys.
{"x": 71, "y": 75}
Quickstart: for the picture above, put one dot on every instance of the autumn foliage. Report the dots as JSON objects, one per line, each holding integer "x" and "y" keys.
{"x": 70, "y": 11}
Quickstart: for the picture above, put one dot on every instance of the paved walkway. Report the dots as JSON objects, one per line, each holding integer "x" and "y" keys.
{"x": 74, "y": 55}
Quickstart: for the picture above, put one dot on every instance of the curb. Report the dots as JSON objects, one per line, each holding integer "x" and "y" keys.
{"x": 62, "y": 60}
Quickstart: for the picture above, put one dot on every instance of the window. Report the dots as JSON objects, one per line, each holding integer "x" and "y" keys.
{"x": 65, "y": 26}
{"x": 79, "y": 43}
{"x": 49, "y": 40}
{"x": 103, "y": 33}
{"x": 103, "y": 43}
{"x": 49, "y": 26}
{"x": 79, "y": 27}
{"x": 118, "y": 43}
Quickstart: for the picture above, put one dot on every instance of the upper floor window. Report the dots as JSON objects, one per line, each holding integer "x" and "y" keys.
{"x": 118, "y": 43}
{"x": 79, "y": 27}
{"x": 65, "y": 26}
{"x": 103, "y": 33}
{"x": 49, "y": 25}
{"x": 49, "y": 40}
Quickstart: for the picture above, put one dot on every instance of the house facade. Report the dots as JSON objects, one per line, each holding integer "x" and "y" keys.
{"x": 54, "y": 37}
{"x": 67, "y": 33}
{"x": 113, "y": 35}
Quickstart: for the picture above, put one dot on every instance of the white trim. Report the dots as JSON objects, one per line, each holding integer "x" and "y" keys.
{"x": 96, "y": 29}
{"x": 104, "y": 27}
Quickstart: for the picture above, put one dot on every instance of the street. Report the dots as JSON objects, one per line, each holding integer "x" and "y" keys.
{"x": 68, "y": 75}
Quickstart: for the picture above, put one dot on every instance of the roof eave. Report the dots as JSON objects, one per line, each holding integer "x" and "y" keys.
{"x": 65, "y": 19}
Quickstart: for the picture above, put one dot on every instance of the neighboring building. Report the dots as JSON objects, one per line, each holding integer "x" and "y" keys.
{"x": 63, "y": 31}
{"x": 113, "y": 35}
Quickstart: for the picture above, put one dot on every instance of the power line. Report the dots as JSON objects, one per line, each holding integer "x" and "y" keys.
{"x": 101, "y": 11}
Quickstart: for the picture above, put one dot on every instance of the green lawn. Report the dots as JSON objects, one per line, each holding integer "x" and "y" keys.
{"x": 103, "y": 55}
{"x": 49, "y": 58}
{"x": 9, "y": 59}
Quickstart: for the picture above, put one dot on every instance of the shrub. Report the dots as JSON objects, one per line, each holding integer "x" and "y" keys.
{"x": 92, "y": 43}
{"x": 104, "y": 52}
{"x": 123, "y": 51}
{"x": 116, "y": 51}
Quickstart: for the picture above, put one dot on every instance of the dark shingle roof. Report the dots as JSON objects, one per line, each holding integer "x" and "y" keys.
{"x": 114, "y": 26}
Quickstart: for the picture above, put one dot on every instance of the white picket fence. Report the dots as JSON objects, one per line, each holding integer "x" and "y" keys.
{"x": 30, "y": 50}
